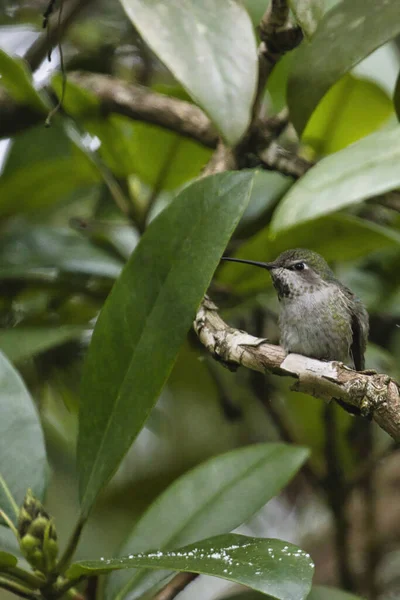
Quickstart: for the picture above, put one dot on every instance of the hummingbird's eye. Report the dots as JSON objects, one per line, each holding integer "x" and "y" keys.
{"x": 299, "y": 266}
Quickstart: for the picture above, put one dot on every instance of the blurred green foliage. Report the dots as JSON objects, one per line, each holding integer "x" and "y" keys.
{"x": 65, "y": 240}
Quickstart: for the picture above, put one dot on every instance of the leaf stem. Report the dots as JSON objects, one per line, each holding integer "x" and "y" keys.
{"x": 15, "y": 588}
{"x": 11, "y": 525}
{"x": 71, "y": 547}
{"x": 30, "y": 579}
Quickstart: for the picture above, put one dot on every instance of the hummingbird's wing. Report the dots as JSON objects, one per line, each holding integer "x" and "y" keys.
{"x": 356, "y": 349}
{"x": 359, "y": 327}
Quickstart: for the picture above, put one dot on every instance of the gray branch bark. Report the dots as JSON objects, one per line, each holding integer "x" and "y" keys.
{"x": 373, "y": 393}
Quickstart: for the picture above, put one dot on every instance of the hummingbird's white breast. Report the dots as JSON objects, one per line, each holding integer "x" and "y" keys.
{"x": 315, "y": 321}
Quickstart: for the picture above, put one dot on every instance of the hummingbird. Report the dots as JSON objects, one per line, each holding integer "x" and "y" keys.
{"x": 319, "y": 316}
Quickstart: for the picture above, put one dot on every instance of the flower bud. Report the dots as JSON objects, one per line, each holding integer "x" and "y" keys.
{"x": 37, "y": 535}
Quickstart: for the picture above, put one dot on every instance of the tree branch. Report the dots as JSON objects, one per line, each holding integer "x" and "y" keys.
{"x": 276, "y": 158}
{"x": 374, "y": 394}
{"x": 138, "y": 103}
{"x": 277, "y": 38}
{"x": 175, "y": 586}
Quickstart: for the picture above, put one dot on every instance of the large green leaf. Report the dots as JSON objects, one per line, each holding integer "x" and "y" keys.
{"x": 396, "y": 97}
{"x": 145, "y": 319}
{"x": 365, "y": 169}
{"x": 352, "y": 109}
{"x": 23, "y": 462}
{"x": 271, "y": 566}
{"x": 211, "y": 499}
{"x": 309, "y": 13}
{"x": 210, "y": 48}
{"x": 322, "y": 592}
{"x": 43, "y": 184}
{"x": 17, "y": 80}
{"x": 269, "y": 187}
{"x": 42, "y": 249}
{"x": 7, "y": 559}
{"x": 318, "y": 592}
{"x": 346, "y": 35}
{"x": 19, "y": 343}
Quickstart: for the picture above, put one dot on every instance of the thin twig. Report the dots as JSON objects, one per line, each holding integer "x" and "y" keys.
{"x": 175, "y": 586}
{"x": 36, "y": 54}
{"x": 259, "y": 386}
{"x": 371, "y": 549}
{"x": 337, "y": 496}
{"x": 370, "y": 464}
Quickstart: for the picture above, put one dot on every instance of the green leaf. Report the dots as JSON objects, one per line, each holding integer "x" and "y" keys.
{"x": 308, "y": 13}
{"x": 43, "y": 184}
{"x": 17, "y": 80}
{"x": 20, "y": 343}
{"x": 396, "y": 97}
{"x": 269, "y": 187}
{"x": 165, "y": 160}
{"x": 270, "y": 566}
{"x": 37, "y": 145}
{"x": 365, "y": 169}
{"x": 23, "y": 462}
{"x": 209, "y": 500}
{"x": 346, "y": 35}
{"x": 7, "y": 560}
{"x": 318, "y": 592}
{"x": 322, "y": 592}
{"x": 52, "y": 250}
{"x": 145, "y": 319}
{"x": 210, "y": 48}
{"x": 352, "y": 109}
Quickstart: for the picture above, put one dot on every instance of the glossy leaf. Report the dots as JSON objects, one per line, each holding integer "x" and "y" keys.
{"x": 270, "y": 566}
{"x": 364, "y": 169}
{"x": 210, "y": 48}
{"x": 318, "y": 592}
{"x": 269, "y": 187}
{"x": 37, "y": 145}
{"x": 396, "y": 97}
{"x": 352, "y": 109}
{"x": 20, "y": 343}
{"x": 346, "y": 35}
{"x": 165, "y": 160}
{"x": 209, "y": 500}
{"x": 308, "y": 13}
{"x": 23, "y": 462}
{"x": 145, "y": 319}
{"x": 42, "y": 185}
{"x": 52, "y": 250}
{"x": 322, "y": 592}
{"x": 7, "y": 560}
{"x": 17, "y": 80}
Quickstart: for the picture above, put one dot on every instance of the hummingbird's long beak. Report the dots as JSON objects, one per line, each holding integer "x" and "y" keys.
{"x": 255, "y": 263}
